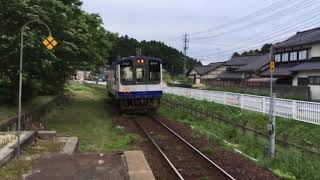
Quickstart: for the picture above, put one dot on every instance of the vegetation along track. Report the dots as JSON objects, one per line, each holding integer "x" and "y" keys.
{"x": 185, "y": 160}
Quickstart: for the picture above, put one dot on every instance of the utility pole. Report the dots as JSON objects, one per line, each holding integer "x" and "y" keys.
{"x": 138, "y": 51}
{"x": 185, "y": 48}
{"x": 271, "y": 125}
{"x": 172, "y": 70}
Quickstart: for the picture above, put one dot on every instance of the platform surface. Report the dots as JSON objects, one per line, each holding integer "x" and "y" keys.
{"x": 138, "y": 167}
{"x": 80, "y": 167}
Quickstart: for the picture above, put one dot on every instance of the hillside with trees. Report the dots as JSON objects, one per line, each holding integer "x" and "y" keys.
{"x": 264, "y": 49}
{"x": 125, "y": 46}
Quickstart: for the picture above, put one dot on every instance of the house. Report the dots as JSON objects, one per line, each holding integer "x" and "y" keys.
{"x": 298, "y": 61}
{"x": 243, "y": 69}
{"x": 201, "y": 74}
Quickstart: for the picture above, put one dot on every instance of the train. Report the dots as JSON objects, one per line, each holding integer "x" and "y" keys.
{"x": 136, "y": 82}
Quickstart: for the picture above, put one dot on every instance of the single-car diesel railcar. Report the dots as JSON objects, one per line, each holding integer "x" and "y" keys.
{"x": 136, "y": 82}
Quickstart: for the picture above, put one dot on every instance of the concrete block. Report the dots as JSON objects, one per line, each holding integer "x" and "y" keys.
{"x": 6, "y": 153}
{"x": 71, "y": 145}
{"x": 138, "y": 167}
{"x": 46, "y": 135}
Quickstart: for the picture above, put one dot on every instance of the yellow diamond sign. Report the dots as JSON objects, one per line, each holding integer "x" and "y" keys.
{"x": 272, "y": 66}
{"x": 50, "y": 42}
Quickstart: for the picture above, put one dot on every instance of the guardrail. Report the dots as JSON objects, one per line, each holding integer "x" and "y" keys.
{"x": 299, "y": 110}
{"x": 10, "y": 124}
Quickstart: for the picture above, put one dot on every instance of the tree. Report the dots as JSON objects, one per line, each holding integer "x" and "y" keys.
{"x": 125, "y": 46}
{"x": 83, "y": 44}
{"x": 264, "y": 49}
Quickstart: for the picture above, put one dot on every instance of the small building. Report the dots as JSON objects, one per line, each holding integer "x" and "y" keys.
{"x": 298, "y": 61}
{"x": 243, "y": 70}
{"x": 202, "y": 74}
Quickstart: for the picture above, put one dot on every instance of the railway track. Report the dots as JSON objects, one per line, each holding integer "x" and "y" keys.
{"x": 185, "y": 160}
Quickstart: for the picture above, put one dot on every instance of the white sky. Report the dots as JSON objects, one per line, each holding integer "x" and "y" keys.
{"x": 168, "y": 20}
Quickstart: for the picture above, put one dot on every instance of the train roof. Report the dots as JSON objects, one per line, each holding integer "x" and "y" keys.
{"x": 137, "y": 58}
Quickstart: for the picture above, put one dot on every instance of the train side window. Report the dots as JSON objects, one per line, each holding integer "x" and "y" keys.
{"x": 154, "y": 72}
{"x": 126, "y": 73}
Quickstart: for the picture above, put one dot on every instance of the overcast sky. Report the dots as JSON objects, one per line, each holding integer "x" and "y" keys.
{"x": 168, "y": 20}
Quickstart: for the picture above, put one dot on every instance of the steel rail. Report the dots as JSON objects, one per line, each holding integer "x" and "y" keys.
{"x": 195, "y": 149}
{"x": 161, "y": 152}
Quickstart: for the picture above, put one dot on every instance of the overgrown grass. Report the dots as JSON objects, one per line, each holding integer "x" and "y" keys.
{"x": 9, "y": 110}
{"x": 289, "y": 162}
{"x": 85, "y": 116}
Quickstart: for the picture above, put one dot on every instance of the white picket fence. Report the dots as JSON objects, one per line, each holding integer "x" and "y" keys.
{"x": 299, "y": 110}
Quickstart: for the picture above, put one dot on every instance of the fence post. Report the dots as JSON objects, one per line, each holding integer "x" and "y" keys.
{"x": 241, "y": 101}
{"x": 294, "y": 109}
{"x": 224, "y": 98}
{"x": 264, "y": 105}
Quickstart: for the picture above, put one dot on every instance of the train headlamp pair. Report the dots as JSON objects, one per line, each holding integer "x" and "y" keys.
{"x": 140, "y": 61}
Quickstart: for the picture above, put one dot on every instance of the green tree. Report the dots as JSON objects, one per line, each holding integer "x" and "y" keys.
{"x": 83, "y": 44}
{"x": 125, "y": 46}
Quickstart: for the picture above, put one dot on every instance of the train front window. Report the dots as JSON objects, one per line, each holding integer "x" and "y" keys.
{"x": 154, "y": 72}
{"x": 126, "y": 73}
{"x": 139, "y": 75}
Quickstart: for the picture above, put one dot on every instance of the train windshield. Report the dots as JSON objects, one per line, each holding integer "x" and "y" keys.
{"x": 154, "y": 72}
{"x": 139, "y": 75}
{"x": 126, "y": 73}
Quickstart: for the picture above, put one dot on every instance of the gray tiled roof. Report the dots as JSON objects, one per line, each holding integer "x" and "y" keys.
{"x": 301, "y": 38}
{"x": 242, "y": 61}
{"x": 307, "y": 66}
{"x": 229, "y": 75}
{"x": 201, "y": 70}
{"x": 255, "y": 63}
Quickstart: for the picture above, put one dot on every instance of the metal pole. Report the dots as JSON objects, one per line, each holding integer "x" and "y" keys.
{"x": 185, "y": 48}
{"x": 20, "y": 78}
{"x": 271, "y": 126}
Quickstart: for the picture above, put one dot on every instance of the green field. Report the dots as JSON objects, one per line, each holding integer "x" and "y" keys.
{"x": 9, "y": 110}
{"x": 85, "y": 116}
{"x": 289, "y": 162}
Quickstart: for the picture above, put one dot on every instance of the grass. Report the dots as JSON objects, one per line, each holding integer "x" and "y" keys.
{"x": 289, "y": 163}
{"x": 9, "y": 110}
{"x": 85, "y": 116}
{"x": 14, "y": 169}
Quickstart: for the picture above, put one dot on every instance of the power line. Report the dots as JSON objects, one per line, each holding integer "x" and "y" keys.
{"x": 270, "y": 18}
{"x": 283, "y": 31}
{"x": 253, "y": 14}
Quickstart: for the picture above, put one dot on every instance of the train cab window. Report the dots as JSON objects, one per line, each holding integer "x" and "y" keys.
{"x": 139, "y": 75}
{"x": 126, "y": 73}
{"x": 154, "y": 72}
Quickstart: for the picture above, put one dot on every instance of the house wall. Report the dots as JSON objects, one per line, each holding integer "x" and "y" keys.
{"x": 213, "y": 74}
{"x": 315, "y": 50}
{"x": 314, "y": 89}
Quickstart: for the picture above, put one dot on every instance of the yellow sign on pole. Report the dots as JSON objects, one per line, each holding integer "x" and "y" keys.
{"x": 272, "y": 66}
{"x": 50, "y": 42}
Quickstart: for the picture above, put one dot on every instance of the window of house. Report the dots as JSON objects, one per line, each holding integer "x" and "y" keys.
{"x": 293, "y": 56}
{"x": 277, "y": 57}
{"x": 314, "y": 80}
{"x": 285, "y": 57}
{"x": 303, "y": 81}
{"x": 303, "y": 55}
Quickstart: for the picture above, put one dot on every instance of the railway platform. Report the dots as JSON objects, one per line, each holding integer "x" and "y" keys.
{"x": 129, "y": 165}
